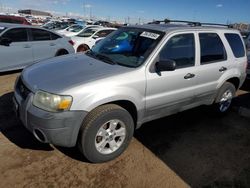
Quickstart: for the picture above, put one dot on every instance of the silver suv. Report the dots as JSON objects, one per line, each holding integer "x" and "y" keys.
{"x": 137, "y": 74}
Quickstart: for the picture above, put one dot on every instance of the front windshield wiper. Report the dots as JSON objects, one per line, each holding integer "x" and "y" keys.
{"x": 106, "y": 59}
{"x": 101, "y": 57}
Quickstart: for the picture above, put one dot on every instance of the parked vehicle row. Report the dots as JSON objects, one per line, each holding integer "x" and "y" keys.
{"x": 135, "y": 75}
{"x": 75, "y": 30}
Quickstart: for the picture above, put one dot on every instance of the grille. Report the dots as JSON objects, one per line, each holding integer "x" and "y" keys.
{"x": 22, "y": 89}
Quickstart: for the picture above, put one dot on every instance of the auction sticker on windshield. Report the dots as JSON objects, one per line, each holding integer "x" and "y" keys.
{"x": 150, "y": 35}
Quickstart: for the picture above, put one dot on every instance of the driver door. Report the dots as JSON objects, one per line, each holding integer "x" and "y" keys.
{"x": 169, "y": 92}
{"x": 18, "y": 53}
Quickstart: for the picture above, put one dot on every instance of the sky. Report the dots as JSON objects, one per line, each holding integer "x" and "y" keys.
{"x": 216, "y": 11}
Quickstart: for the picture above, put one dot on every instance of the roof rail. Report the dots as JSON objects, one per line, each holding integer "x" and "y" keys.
{"x": 167, "y": 21}
{"x": 215, "y": 24}
{"x": 191, "y": 23}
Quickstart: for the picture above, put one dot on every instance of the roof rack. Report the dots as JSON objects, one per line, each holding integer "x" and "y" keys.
{"x": 215, "y": 24}
{"x": 190, "y": 23}
{"x": 167, "y": 21}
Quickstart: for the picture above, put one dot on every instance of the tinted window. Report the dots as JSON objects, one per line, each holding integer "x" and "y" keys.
{"x": 40, "y": 35}
{"x": 181, "y": 49}
{"x": 236, "y": 45}
{"x": 54, "y": 36}
{"x": 212, "y": 48}
{"x": 16, "y": 35}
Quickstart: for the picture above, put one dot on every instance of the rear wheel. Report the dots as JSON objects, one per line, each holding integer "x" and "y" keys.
{"x": 224, "y": 98}
{"x": 82, "y": 48}
{"x": 62, "y": 52}
{"x": 105, "y": 133}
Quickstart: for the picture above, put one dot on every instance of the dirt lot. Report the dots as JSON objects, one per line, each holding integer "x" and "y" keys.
{"x": 193, "y": 148}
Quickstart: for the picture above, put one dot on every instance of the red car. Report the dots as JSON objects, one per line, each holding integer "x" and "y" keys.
{"x": 14, "y": 19}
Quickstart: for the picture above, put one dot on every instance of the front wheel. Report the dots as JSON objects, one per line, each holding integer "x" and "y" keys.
{"x": 224, "y": 98}
{"x": 105, "y": 133}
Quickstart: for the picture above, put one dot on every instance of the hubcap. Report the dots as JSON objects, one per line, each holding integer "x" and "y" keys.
{"x": 225, "y": 101}
{"x": 110, "y": 136}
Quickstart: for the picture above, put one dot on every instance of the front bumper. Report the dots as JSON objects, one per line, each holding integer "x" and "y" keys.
{"x": 60, "y": 128}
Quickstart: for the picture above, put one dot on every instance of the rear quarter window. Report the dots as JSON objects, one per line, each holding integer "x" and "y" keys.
{"x": 212, "y": 48}
{"x": 236, "y": 44}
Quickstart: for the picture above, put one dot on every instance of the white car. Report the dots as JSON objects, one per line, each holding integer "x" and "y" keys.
{"x": 75, "y": 30}
{"x": 22, "y": 45}
{"x": 88, "y": 37}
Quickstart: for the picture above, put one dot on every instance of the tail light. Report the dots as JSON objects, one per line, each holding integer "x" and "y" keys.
{"x": 71, "y": 42}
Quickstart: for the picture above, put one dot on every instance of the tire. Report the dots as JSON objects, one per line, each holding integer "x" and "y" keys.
{"x": 105, "y": 133}
{"x": 82, "y": 48}
{"x": 62, "y": 52}
{"x": 224, "y": 98}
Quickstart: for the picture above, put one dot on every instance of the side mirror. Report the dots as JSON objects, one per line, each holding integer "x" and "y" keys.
{"x": 165, "y": 65}
{"x": 5, "y": 41}
{"x": 95, "y": 37}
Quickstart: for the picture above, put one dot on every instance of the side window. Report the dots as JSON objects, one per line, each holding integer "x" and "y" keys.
{"x": 181, "y": 49}
{"x": 40, "y": 35}
{"x": 54, "y": 36}
{"x": 16, "y": 35}
{"x": 236, "y": 45}
{"x": 212, "y": 48}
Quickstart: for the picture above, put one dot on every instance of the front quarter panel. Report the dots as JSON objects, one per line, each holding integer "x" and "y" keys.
{"x": 130, "y": 87}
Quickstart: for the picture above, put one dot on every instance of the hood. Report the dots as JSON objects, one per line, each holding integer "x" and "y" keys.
{"x": 62, "y": 73}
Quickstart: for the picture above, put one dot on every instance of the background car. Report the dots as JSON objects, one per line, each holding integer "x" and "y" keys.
{"x": 75, "y": 30}
{"x": 88, "y": 37}
{"x": 14, "y": 19}
{"x": 246, "y": 37}
{"x": 56, "y": 25}
{"x": 23, "y": 45}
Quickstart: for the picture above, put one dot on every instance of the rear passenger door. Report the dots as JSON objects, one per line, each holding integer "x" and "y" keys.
{"x": 213, "y": 64}
{"x": 168, "y": 92}
{"x": 19, "y": 53}
{"x": 43, "y": 46}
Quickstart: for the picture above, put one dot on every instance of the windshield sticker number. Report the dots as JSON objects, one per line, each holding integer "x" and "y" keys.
{"x": 150, "y": 35}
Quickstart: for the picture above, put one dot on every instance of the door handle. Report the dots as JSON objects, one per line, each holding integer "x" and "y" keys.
{"x": 52, "y": 44}
{"x": 222, "y": 69}
{"x": 189, "y": 75}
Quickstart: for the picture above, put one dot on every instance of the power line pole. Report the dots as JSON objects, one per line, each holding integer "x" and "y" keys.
{"x": 84, "y": 11}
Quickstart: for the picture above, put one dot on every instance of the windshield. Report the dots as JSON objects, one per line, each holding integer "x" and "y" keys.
{"x": 128, "y": 46}
{"x": 75, "y": 28}
{"x": 87, "y": 32}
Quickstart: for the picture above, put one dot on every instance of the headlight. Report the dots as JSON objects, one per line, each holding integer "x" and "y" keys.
{"x": 51, "y": 102}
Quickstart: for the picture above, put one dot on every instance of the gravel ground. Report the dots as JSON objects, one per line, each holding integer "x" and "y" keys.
{"x": 193, "y": 148}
